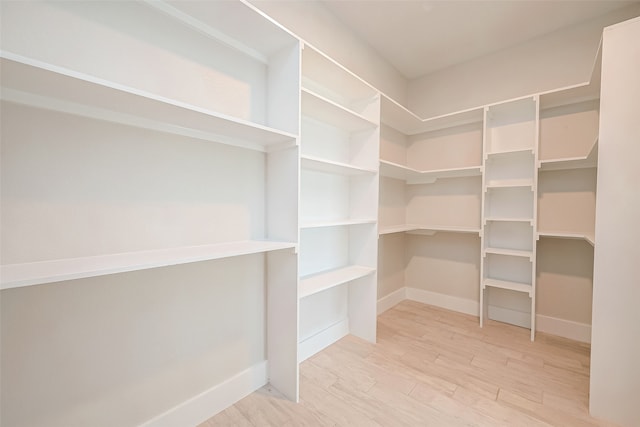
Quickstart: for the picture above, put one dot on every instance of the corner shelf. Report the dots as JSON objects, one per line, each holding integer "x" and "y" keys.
{"x": 505, "y": 284}
{"x": 588, "y": 237}
{"x": 336, "y": 223}
{"x": 41, "y": 272}
{"x": 42, "y": 85}
{"x": 413, "y": 176}
{"x": 402, "y": 119}
{"x": 315, "y": 283}
{"x": 579, "y": 162}
{"x": 323, "y": 165}
{"x": 327, "y": 111}
{"x": 509, "y": 152}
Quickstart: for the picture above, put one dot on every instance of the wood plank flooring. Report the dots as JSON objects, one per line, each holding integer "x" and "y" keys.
{"x": 432, "y": 367}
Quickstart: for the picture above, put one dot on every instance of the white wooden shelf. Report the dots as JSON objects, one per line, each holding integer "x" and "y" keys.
{"x": 528, "y": 150}
{"x": 426, "y": 229}
{"x": 589, "y": 237}
{"x": 509, "y": 183}
{"x": 327, "y": 111}
{"x": 579, "y": 162}
{"x": 313, "y": 284}
{"x": 336, "y": 223}
{"x": 36, "y": 273}
{"x": 50, "y": 87}
{"x": 413, "y": 176}
{"x": 509, "y": 252}
{"x": 504, "y": 284}
{"x": 402, "y": 119}
{"x": 329, "y": 166}
{"x": 508, "y": 219}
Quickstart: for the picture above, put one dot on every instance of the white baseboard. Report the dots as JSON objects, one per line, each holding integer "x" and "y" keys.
{"x": 395, "y": 297}
{"x": 449, "y": 302}
{"x": 564, "y": 328}
{"x": 208, "y": 403}
{"x": 322, "y": 339}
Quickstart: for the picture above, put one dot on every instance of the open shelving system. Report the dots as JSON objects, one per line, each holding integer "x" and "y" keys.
{"x": 339, "y": 203}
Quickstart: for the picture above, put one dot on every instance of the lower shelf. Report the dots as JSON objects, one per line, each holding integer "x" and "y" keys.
{"x": 509, "y": 252}
{"x": 313, "y": 284}
{"x": 36, "y": 273}
{"x": 504, "y": 284}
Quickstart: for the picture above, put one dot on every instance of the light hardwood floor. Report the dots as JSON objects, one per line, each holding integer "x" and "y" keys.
{"x": 432, "y": 367}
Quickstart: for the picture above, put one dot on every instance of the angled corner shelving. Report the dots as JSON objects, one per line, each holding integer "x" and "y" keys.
{"x": 426, "y": 229}
{"x": 330, "y": 112}
{"x": 589, "y": 237}
{"x": 328, "y": 166}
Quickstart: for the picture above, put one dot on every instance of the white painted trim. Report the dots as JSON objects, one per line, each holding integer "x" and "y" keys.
{"x": 203, "y": 406}
{"x": 564, "y": 328}
{"x": 322, "y": 339}
{"x": 395, "y": 297}
{"x": 462, "y": 305}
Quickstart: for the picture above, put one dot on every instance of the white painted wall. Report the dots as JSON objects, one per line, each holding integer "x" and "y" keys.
{"x": 315, "y": 24}
{"x": 615, "y": 349}
{"x": 556, "y": 60}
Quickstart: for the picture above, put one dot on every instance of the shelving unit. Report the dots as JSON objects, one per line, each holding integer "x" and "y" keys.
{"x": 339, "y": 204}
{"x": 148, "y": 159}
{"x": 510, "y": 184}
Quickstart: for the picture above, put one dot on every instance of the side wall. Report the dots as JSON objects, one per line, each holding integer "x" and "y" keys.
{"x": 615, "y": 349}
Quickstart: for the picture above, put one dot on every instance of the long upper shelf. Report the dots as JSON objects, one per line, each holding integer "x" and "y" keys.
{"x": 589, "y": 237}
{"x": 413, "y": 176}
{"x": 36, "y": 273}
{"x": 41, "y": 85}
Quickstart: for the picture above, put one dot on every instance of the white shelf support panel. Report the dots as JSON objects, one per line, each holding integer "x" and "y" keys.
{"x": 504, "y": 284}
{"x": 321, "y": 282}
{"x": 36, "y": 273}
{"x": 41, "y": 85}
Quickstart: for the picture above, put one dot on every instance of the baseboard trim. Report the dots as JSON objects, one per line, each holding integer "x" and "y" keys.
{"x": 564, "y": 328}
{"x": 395, "y": 297}
{"x": 461, "y": 305}
{"x": 210, "y": 402}
{"x": 322, "y": 339}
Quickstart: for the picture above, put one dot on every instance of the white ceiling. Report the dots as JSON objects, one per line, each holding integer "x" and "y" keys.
{"x": 420, "y": 36}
